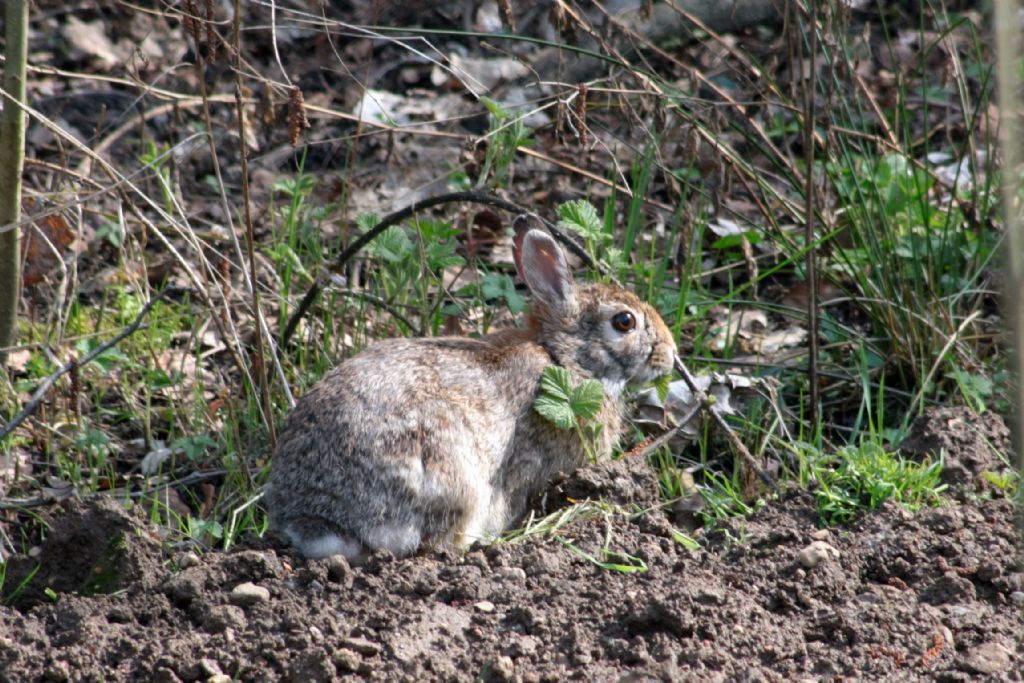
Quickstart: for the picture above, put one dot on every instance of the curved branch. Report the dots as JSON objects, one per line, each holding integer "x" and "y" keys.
{"x": 397, "y": 217}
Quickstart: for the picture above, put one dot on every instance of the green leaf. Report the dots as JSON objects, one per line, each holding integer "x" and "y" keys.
{"x": 500, "y": 113}
{"x": 587, "y": 399}
{"x": 198, "y": 527}
{"x": 301, "y": 186}
{"x": 107, "y": 360}
{"x": 566, "y": 405}
{"x": 627, "y": 564}
{"x": 392, "y": 245}
{"x": 501, "y": 286}
{"x": 432, "y": 230}
{"x": 732, "y": 241}
{"x": 194, "y": 445}
{"x": 661, "y": 385}
{"x": 684, "y": 540}
{"x": 581, "y": 217}
{"x": 554, "y": 411}
{"x": 557, "y": 383}
{"x": 367, "y": 221}
{"x": 283, "y": 255}
{"x": 441, "y": 255}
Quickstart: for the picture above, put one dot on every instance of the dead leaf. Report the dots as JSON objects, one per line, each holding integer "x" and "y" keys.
{"x": 208, "y": 491}
{"x": 777, "y": 339}
{"x": 730, "y": 392}
{"x": 153, "y": 461}
{"x": 733, "y": 323}
{"x": 481, "y": 75}
{"x": 42, "y": 247}
{"x": 91, "y": 39}
{"x": 18, "y": 360}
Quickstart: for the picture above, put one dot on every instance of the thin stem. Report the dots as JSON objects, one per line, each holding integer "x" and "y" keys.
{"x": 250, "y": 239}
{"x": 810, "y": 114}
{"x": 12, "y": 159}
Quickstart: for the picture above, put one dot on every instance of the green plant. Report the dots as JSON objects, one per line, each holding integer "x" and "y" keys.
{"x": 1007, "y": 481}
{"x": 501, "y": 287}
{"x": 86, "y": 463}
{"x": 860, "y": 478}
{"x": 508, "y": 132}
{"x": 580, "y": 216}
{"x": 610, "y": 560}
{"x": 723, "y": 497}
{"x": 569, "y": 406}
{"x": 155, "y": 157}
{"x": 297, "y": 247}
{"x": 551, "y": 526}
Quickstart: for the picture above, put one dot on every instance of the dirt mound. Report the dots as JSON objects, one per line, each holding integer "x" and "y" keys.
{"x": 94, "y": 547}
{"x": 971, "y": 446}
{"x": 612, "y": 596}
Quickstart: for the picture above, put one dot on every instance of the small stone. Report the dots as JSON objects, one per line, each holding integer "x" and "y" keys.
{"x": 184, "y": 587}
{"x": 988, "y": 571}
{"x": 541, "y": 562}
{"x": 816, "y": 553}
{"x": 947, "y": 635}
{"x": 503, "y": 669}
{"x": 511, "y": 574}
{"x": 219, "y": 678}
{"x": 316, "y": 635}
{"x": 209, "y": 667}
{"x": 363, "y": 646}
{"x": 339, "y": 570}
{"x": 119, "y": 615}
{"x": 821, "y": 534}
{"x": 711, "y": 595}
{"x": 189, "y": 559}
{"x": 987, "y": 658}
{"x": 246, "y": 594}
{"x": 485, "y": 606}
{"x": 1017, "y": 597}
{"x": 346, "y": 660}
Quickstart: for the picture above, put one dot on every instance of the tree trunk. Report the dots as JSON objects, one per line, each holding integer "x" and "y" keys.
{"x": 12, "y": 157}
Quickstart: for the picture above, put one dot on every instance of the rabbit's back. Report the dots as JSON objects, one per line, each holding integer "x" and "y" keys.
{"x": 413, "y": 441}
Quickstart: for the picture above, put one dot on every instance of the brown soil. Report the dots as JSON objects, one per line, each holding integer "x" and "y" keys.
{"x": 929, "y": 596}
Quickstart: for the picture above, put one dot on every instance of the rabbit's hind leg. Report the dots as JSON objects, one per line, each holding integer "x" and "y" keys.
{"x": 476, "y": 518}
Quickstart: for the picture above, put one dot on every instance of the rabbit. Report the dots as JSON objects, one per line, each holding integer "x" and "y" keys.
{"x": 434, "y": 442}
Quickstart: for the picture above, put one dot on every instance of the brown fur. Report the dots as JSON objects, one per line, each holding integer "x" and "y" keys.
{"x": 435, "y": 441}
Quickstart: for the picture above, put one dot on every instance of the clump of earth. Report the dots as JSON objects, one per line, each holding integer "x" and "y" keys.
{"x": 613, "y": 595}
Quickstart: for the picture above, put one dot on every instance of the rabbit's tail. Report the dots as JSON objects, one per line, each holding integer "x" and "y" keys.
{"x": 315, "y": 541}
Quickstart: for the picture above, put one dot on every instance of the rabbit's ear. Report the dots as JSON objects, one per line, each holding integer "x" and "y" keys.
{"x": 542, "y": 265}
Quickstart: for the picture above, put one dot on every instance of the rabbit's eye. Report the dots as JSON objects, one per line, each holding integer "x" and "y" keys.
{"x": 624, "y": 322}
